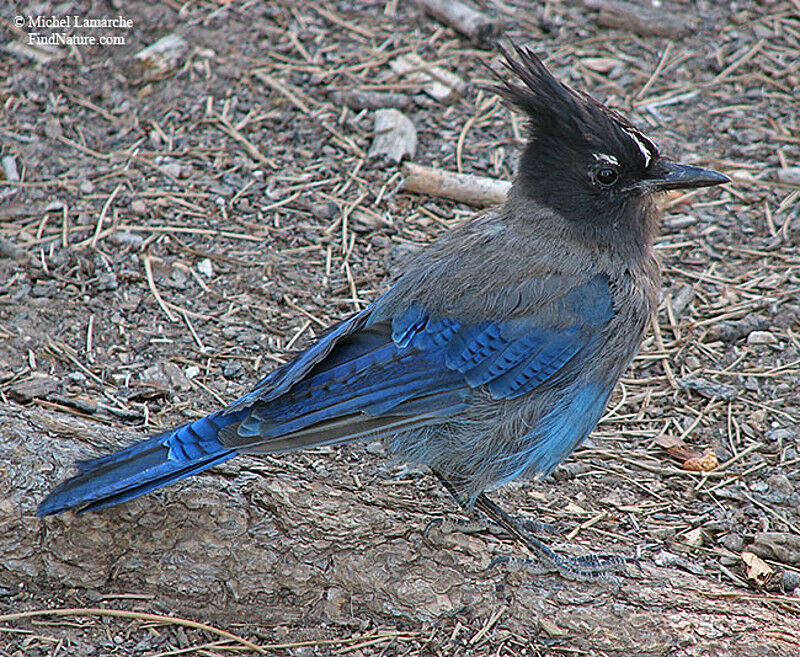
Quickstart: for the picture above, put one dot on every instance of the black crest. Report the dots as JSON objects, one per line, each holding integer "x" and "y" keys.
{"x": 560, "y": 116}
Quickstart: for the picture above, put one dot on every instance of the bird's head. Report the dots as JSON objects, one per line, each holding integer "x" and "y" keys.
{"x": 585, "y": 161}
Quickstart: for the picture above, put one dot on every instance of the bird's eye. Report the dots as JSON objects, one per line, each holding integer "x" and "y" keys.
{"x": 607, "y": 176}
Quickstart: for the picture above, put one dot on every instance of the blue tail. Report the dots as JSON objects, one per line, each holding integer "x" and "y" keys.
{"x": 144, "y": 466}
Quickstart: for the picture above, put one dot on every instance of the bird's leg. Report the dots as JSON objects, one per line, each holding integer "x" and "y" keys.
{"x": 472, "y": 525}
{"x": 480, "y": 522}
{"x": 580, "y": 568}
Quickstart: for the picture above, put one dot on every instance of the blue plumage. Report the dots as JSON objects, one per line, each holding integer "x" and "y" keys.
{"x": 143, "y": 467}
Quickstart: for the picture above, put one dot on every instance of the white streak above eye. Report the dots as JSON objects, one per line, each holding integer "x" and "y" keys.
{"x": 642, "y": 143}
{"x": 605, "y": 157}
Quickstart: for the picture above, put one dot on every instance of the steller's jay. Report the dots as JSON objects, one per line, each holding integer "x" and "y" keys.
{"x": 493, "y": 356}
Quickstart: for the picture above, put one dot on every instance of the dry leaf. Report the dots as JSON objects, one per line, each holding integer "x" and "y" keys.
{"x": 694, "y": 538}
{"x": 705, "y": 463}
{"x": 677, "y": 448}
{"x": 758, "y": 570}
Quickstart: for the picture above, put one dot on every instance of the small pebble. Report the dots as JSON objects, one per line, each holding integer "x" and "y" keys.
{"x": 761, "y": 337}
{"x": 325, "y": 210}
{"x": 232, "y": 369}
{"x": 205, "y": 268}
{"x": 173, "y": 169}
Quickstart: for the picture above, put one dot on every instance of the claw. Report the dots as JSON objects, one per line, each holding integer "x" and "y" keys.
{"x": 433, "y": 522}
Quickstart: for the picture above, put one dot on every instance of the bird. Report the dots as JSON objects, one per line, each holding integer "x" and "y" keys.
{"x": 493, "y": 356}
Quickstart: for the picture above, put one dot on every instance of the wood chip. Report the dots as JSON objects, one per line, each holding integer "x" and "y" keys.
{"x": 37, "y": 385}
{"x": 395, "y": 136}
{"x": 710, "y": 389}
{"x": 159, "y": 59}
{"x": 464, "y": 18}
{"x": 357, "y": 100}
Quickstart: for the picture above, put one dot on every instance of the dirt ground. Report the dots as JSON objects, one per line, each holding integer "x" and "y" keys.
{"x": 174, "y": 233}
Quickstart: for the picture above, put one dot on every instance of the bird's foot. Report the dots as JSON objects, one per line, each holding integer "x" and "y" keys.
{"x": 589, "y": 567}
{"x": 593, "y": 566}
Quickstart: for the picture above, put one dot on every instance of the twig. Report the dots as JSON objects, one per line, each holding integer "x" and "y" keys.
{"x": 473, "y": 190}
{"x": 135, "y": 615}
{"x": 148, "y": 270}
{"x": 101, "y": 218}
{"x": 244, "y": 141}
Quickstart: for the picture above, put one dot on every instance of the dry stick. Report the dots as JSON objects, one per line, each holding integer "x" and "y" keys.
{"x": 135, "y": 615}
{"x": 352, "y": 284}
{"x": 488, "y": 626}
{"x": 148, "y": 270}
{"x": 186, "y": 319}
{"x": 585, "y": 525}
{"x": 742, "y": 60}
{"x": 297, "y": 335}
{"x": 333, "y": 18}
{"x": 190, "y": 231}
{"x": 346, "y": 215}
{"x": 101, "y": 218}
{"x": 664, "y": 362}
{"x": 202, "y": 385}
{"x": 83, "y": 149}
{"x": 65, "y": 228}
{"x": 473, "y": 190}
{"x": 346, "y": 141}
{"x": 773, "y": 513}
{"x": 724, "y": 466}
{"x": 463, "y": 18}
{"x": 467, "y": 127}
{"x": 64, "y": 350}
{"x": 282, "y": 89}
{"x": 294, "y": 306}
{"x": 657, "y": 71}
{"x": 244, "y": 141}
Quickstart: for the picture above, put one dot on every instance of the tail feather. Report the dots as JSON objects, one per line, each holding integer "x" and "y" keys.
{"x": 143, "y": 467}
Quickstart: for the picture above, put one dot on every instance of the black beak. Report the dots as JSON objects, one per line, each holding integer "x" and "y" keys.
{"x": 669, "y": 175}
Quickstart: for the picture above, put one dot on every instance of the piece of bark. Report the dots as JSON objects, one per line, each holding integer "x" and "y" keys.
{"x": 477, "y": 191}
{"x": 464, "y": 19}
{"x": 395, "y": 136}
{"x": 372, "y": 100}
{"x": 317, "y": 538}
{"x": 441, "y": 85}
{"x": 780, "y": 546}
{"x": 646, "y": 21}
{"x": 710, "y": 389}
{"x": 732, "y": 330}
{"x": 37, "y": 385}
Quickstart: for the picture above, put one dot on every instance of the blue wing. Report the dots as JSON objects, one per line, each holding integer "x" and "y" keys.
{"x": 416, "y": 368}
